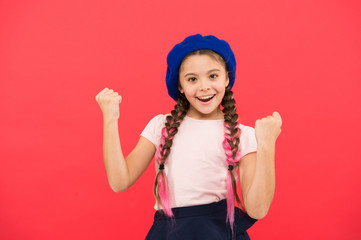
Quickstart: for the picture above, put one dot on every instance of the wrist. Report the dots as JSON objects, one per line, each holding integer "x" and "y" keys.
{"x": 266, "y": 145}
{"x": 107, "y": 119}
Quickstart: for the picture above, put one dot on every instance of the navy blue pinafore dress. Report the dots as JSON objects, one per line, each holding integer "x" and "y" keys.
{"x": 201, "y": 222}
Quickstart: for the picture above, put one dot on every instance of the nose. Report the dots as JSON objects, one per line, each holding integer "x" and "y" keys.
{"x": 204, "y": 85}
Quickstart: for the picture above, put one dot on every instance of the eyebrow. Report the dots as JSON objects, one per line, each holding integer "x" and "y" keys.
{"x": 207, "y": 72}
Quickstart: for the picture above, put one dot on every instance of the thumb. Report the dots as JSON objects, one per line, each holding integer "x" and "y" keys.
{"x": 277, "y": 116}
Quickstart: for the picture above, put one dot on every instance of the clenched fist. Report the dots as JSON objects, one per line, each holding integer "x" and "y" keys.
{"x": 109, "y": 101}
{"x": 268, "y": 129}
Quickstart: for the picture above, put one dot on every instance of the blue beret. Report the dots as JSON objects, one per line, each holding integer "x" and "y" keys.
{"x": 190, "y": 44}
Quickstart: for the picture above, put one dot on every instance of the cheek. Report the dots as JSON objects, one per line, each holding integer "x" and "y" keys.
{"x": 187, "y": 94}
{"x": 220, "y": 88}
{"x": 190, "y": 91}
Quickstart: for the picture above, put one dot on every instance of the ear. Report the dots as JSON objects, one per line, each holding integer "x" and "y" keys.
{"x": 180, "y": 88}
{"x": 227, "y": 80}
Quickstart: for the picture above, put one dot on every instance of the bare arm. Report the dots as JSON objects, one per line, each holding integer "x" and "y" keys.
{"x": 115, "y": 165}
{"x": 257, "y": 176}
{"x": 122, "y": 173}
{"x": 257, "y": 170}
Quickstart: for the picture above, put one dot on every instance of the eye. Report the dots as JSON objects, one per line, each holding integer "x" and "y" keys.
{"x": 214, "y": 75}
{"x": 190, "y": 79}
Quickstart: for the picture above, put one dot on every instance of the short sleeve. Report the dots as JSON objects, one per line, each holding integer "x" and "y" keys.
{"x": 152, "y": 131}
{"x": 248, "y": 142}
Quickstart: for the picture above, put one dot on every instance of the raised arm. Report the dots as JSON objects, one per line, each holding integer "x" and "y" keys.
{"x": 257, "y": 169}
{"x": 121, "y": 172}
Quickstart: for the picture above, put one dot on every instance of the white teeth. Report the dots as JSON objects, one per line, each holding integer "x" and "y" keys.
{"x": 205, "y": 97}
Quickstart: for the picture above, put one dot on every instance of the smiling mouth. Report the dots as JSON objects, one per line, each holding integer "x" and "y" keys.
{"x": 205, "y": 99}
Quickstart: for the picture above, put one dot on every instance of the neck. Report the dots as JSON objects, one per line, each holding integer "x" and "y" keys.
{"x": 216, "y": 115}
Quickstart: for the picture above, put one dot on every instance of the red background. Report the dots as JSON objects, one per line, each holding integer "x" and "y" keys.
{"x": 300, "y": 58}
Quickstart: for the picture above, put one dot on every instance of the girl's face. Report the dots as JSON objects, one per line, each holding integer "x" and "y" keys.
{"x": 203, "y": 81}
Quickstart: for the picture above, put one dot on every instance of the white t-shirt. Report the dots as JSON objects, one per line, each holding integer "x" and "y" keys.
{"x": 196, "y": 167}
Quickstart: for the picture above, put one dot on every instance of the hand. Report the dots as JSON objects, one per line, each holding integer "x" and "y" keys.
{"x": 109, "y": 101}
{"x": 268, "y": 129}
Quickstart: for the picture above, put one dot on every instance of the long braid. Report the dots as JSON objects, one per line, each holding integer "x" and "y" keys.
{"x": 168, "y": 133}
{"x": 230, "y": 144}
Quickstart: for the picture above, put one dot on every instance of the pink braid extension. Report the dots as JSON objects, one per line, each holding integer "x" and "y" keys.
{"x": 162, "y": 182}
{"x": 230, "y": 160}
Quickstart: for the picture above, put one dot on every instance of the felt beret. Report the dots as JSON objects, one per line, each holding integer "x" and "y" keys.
{"x": 193, "y": 43}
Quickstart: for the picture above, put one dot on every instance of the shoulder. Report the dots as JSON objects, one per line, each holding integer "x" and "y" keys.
{"x": 152, "y": 130}
{"x": 248, "y": 141}
{"x": 246, "y": 129}
{"x": 158, "y": 120}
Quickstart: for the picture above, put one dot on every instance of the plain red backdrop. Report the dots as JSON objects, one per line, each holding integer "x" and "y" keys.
{"x": 300, "y": 58}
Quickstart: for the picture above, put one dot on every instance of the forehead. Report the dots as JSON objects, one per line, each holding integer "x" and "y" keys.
{"x": 199, "y": 62}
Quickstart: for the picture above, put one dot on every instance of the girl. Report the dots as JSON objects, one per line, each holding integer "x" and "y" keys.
{"x": 199, "y": 148}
